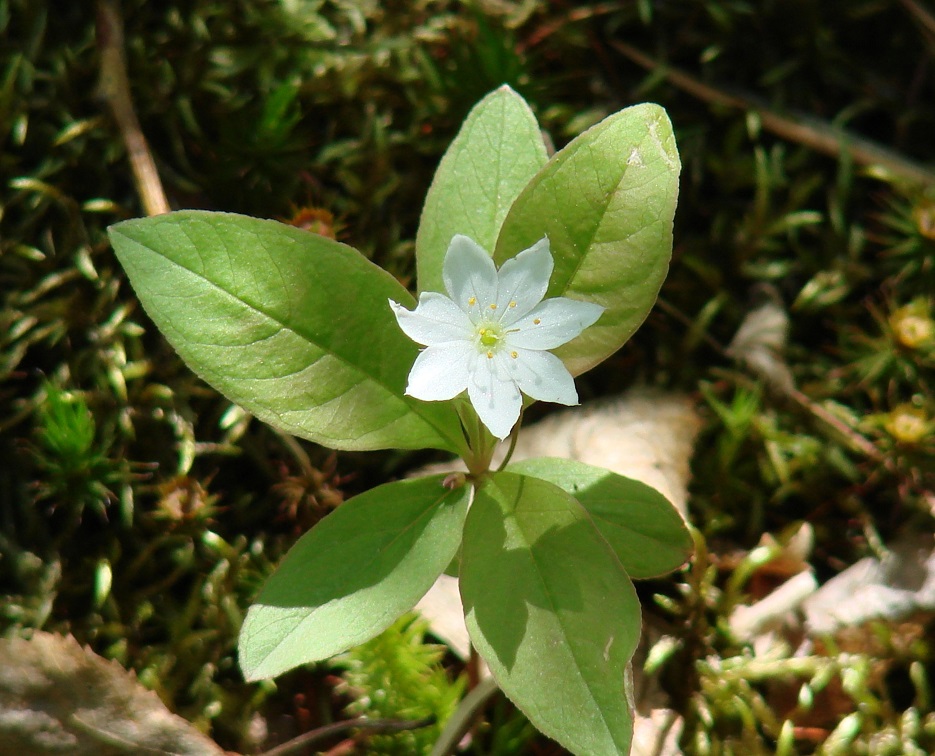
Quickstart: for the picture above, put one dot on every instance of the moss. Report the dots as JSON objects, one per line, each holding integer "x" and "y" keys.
{"x": 120, "y": 462}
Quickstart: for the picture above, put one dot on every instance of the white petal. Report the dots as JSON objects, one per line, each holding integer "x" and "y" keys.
{"x": 495, "y": 397}
{"x": 553, "y": 323}
{"x": 523, "y": 281}
{"x": 543, "y": 376}
{"x": 440, "y": 372}
{"x": 469, "y": 273}
{"x": 436, "y": 320}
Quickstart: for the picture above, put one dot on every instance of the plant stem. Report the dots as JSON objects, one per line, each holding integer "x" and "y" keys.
{"x": 473, "y": 667}
{"x": 513, "y": 437}
{"x": 461, "y": 721}
{"x": 481, "y": 443}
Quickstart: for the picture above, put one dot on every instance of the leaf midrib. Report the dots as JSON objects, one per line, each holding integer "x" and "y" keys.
{"x": 428, "y": 511}
{"x": 569, "y": 636}
{"x": 415, "y": 409}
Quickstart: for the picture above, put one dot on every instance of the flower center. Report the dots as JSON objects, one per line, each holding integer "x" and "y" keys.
{"x": 489, "y": 334}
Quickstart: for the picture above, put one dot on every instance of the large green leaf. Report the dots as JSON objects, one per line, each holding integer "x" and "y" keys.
{"x": 606, "y": 202}
{"x": 497, "y": 151}
{"x": 551, "y": 611}
{"x": 645, "y": 531}
{"x": 292, "y": 326}
{"x": 352, "y": 575}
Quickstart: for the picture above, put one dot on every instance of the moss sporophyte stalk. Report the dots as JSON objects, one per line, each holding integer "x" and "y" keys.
{"x": 491, "y": 334}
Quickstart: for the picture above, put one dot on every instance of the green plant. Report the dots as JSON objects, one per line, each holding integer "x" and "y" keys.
{"x": 301, "y": 331}
{"x": 398, "y": 675}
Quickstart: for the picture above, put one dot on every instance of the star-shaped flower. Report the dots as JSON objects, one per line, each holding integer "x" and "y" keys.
{"x": 491, "y": 334}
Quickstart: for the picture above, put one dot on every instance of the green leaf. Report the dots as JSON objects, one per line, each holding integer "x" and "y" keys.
{"x": 606, "y": 202}
{"x": 352, "y": 575}
{"x": 294, "y": 327}
{"x": 497, "y": 151}
{"x": 645, "y": 531}
{"x": 551, "y": 611}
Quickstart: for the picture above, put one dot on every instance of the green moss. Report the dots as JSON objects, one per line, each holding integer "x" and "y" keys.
{"x": 141, "y": 513}
{"x": 398, "y": 675}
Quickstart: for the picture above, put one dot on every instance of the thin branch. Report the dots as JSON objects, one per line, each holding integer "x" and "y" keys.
{"x": 811, "y": 132}
{"x": 547, "y": 29}
{"x": 922, "y": 17}
{"x": 373, "y": 726}
{"x": 114, "y": 86}
{"x": 851, "y": 437}
{"x": 856, "y": 441}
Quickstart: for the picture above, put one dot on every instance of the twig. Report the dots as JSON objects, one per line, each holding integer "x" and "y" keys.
{"x": 374, "y": 726}
{"x": 922, "y": 16}
{"x": 806, "y": 130}
{"x": 672, "y": 311}
{"x": 114, "y": 87}
{"x": 855, "y": 440}
{"x": 549, "y": 28}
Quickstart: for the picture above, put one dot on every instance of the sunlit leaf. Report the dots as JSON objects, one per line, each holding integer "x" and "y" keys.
{"x": 606, "y": 202}
{"x": 551, "y": 611}
{"x": 294, "y": 327}
{"x": 645, "y": 531}
{"x": 497, "y": 151}
{"x": 353, "y": 574}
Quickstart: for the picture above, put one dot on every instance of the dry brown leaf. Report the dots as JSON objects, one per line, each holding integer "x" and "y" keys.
{"x": 59, "y": 698}
{"x": 892, "y": 588}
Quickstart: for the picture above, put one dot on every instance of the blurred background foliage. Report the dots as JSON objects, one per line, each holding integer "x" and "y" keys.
{"x": 140, "y": 512}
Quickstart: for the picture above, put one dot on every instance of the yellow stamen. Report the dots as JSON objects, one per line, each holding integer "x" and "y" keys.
{"x": 513, "y": 304}
{"x": 472, "y": 301}
{"x": 493, "y": 306}
{"x": 537, "y": 321}
{"x": 489, "y": 355}
{"x": 514, "y": 355}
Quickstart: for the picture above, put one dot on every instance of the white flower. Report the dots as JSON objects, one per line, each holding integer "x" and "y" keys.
{"x": 491, "y": 333}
